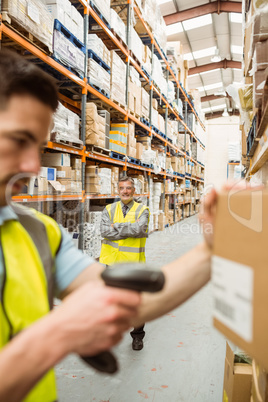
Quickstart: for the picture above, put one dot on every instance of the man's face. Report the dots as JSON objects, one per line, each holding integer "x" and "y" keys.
{"x": 24, "y": 128}
{"x": 126, "y": 191}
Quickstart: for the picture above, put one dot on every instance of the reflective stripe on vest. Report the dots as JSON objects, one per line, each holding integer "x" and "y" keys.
{"x": 29, "y": 247}
{"x": 130, "y": 249}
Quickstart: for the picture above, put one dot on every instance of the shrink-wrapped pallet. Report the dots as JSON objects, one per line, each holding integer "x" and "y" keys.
{"x": 32, "y": 16}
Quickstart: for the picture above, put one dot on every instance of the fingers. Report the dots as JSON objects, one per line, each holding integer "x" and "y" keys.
{"x": 122, "y": 296}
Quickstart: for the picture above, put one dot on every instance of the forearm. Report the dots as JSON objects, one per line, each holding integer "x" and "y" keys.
{"x": 136, "y": 229}
{"x": 29, "y": 356}
{"x": 184, "y": 277}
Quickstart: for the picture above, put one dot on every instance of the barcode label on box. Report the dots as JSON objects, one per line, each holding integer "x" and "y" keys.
{"x": 233, "y": 295}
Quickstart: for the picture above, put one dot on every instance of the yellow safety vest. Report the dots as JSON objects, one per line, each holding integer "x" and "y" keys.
{"x": 29, "y": 247}
{"x": 130, "y": 249}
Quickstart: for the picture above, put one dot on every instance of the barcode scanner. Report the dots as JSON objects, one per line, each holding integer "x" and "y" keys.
{"x": 138, "y": 277}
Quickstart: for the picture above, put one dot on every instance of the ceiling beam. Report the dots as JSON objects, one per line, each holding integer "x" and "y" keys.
{"x": 209, "y": 98}
{"x": 209, "y": 8}
{"x": 213, "y": 66}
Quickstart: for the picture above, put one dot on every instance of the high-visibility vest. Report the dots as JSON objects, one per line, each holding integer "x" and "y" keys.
{"x": 29, "y": 247}
{"x": 130, "y": 249}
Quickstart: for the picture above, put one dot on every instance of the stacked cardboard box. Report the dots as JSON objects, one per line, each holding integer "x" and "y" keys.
{"x": 92, "y": 180}
{"x": 98, "y": 76}
{"x": 95, "y": 126}
{"x": 134, "y": 97}
{"x": 114, "y": 180}
{"x": 34, "y": 17}
{"x": 131, "y": 141}
{"x": 145, "y": 103}
{"x": 118, "y": 137}
{"x": 118, "y": 78}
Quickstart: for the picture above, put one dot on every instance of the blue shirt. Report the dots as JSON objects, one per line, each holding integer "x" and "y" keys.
{"x": 69, "y": 262}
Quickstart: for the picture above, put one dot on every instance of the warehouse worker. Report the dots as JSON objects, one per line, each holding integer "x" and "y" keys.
{"x": 124, "y": 226}
{"x": 91, "y": 318}
{"x": 38, "y": 260}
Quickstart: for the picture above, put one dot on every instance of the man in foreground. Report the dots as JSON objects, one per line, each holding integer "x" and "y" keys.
{"x": 124, "y": 226}
{"x": 38, "y": 260}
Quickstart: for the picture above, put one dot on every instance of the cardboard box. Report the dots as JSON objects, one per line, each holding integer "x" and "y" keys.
{"x": 66, "y": 185}
{"x": 259, "y": 384}
{"x": 139, "y": 150}
{"x": 92, "y": 188}
{"x": 64, "y": 172}
{"x": 37, "y": 185}
{"x": 93, "y": 180}
{"x": 237, "y": 379}
{"x": 92, "y": 170}
{"x": 55, "y": 159}
{"x": 48, "y": 173}
{"x": 239, "y": 271}
{"x": 76, "y": 163}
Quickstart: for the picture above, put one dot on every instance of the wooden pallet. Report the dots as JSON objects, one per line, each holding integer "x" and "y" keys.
{"x": 60, "y": 141}
{"x": 134, "y": 114}
{"x": 11, "y": 23}
{"x": 98, "y": 150}
{"x": 118, "y": 103}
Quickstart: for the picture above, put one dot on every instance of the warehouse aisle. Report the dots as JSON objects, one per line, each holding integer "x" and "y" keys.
{"x": 183, "y": 356}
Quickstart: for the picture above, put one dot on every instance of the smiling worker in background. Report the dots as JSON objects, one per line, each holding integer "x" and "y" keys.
{"x": 124, "y": 226}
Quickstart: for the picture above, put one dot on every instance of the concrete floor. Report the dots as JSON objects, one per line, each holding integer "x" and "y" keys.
{"x": 183, "y": 356}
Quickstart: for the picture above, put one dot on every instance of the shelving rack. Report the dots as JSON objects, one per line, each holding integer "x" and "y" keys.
{"x": 74, "y": 92}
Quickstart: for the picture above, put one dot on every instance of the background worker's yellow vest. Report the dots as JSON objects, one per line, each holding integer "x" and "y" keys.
{"x": 27, "y": 289}
{"x": 130, "y": 249}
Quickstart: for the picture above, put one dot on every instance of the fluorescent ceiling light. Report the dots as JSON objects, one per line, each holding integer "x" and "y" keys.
{"x": 216, "y": 57}
{"x": 236, "y": 49}
{"x": 163, "y": 1}
{"x": 198, "y": 54}
{"x": 206, "y": 109}
{"x": 197, "y": 22}
{"x": 236, "y": 17}
{"x": 211, "y": 86}
{"x": 174, "y": 28}
{"x": 225, "y": 113}
{"x": 223, "y": 106}
{"x": 210, "y": 71}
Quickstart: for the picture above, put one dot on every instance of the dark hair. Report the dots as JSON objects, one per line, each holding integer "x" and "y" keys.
{"x": 126, "y": 178}
{"x": 18, "y": 76}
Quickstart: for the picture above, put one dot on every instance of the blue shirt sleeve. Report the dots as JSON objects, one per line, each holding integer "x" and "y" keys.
{"x": 69, "y": 262}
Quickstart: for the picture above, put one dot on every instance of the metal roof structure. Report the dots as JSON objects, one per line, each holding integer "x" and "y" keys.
{"x": 207, "y": 28}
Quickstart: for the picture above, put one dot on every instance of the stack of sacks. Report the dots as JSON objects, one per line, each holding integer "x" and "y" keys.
{"x": 131, "y": 141}
{"x": 114, "y": 180}
{"x": 95, "y": 126}
{"x": 118, "y": 78}
{"x": 169, "y": 168}
{"x": 135, "y": 44}
{"x": 95, "y": 44}
{"x": 105, "y": 175}
{"x": 118, "y": 25}
{"x": 92, "y": 180}
{"x": 139, "y": 184}
{"x": 145, "y": 104}
{"x": 34, "y": 17}
{"x": 149, "y": 156}
{"x": 63, "y": 11}
{"x": 162, "y": 160}
{"x": 98, "y": 76}
{"x": 118, "y": 137}
{"x": 66, "y": 125}
{"x": 170, "y": 92}
{"x": 156, "y": 195}
{"x": 169, "y": 186}
{"x": 104, "y": 6}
